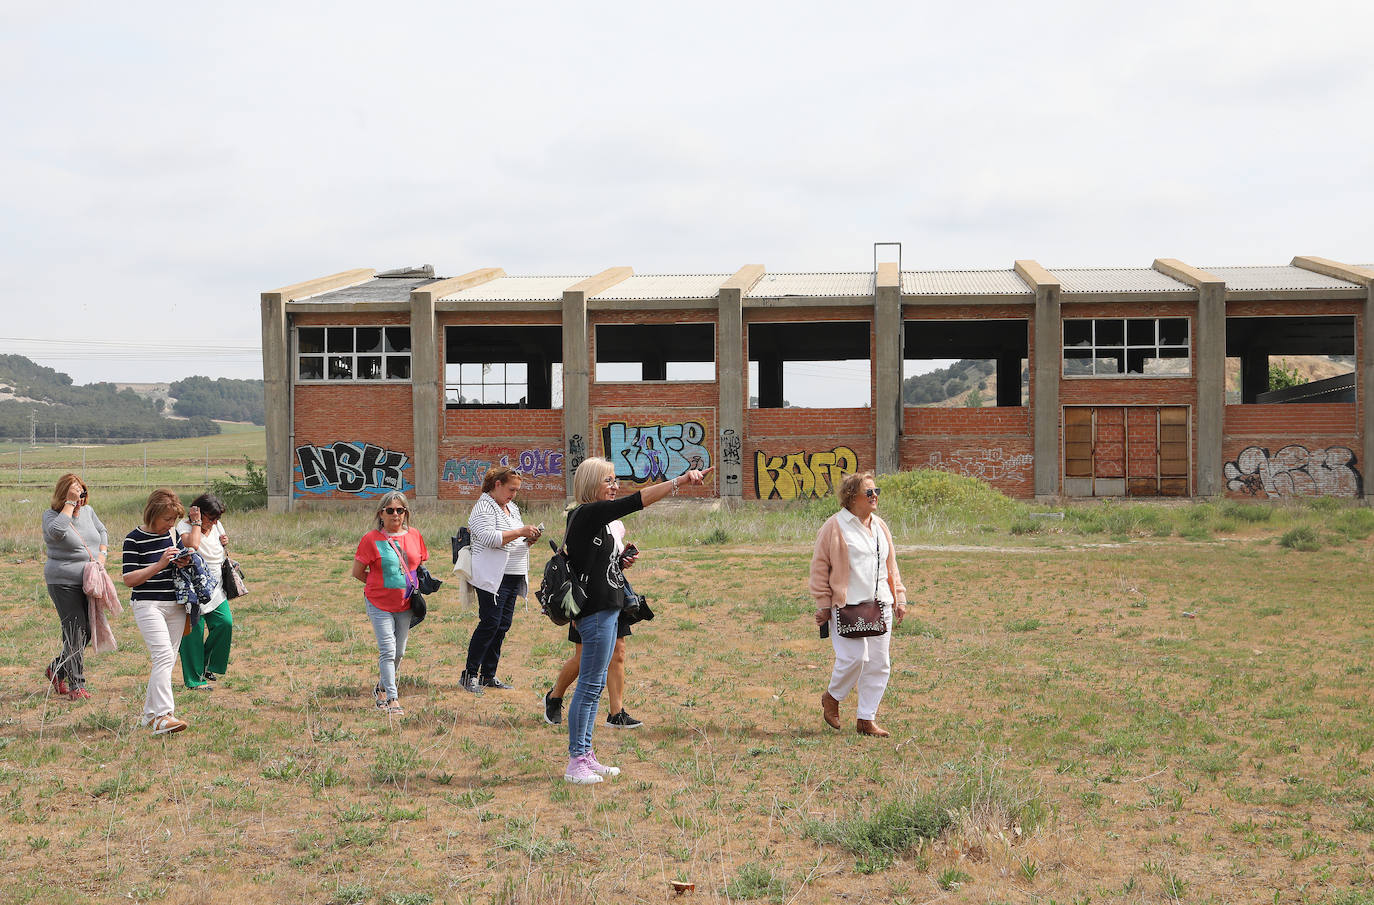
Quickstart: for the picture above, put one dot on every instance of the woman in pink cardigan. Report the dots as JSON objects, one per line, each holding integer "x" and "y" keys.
{"x": 855, "y": 560}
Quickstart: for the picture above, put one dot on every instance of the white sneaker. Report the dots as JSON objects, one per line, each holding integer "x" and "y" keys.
{"x": 580, "y": 772}
{"x": 167, "y": 724}
{"x": 599, "y": 768}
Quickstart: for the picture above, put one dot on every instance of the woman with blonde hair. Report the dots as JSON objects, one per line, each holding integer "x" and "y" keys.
{"x": 592, "y": 555}
{"x": 855, "y": 562}
{"x": 147, "y": 562}
{"x": 385, "y": 562}
{"x": 500, "y": 573}
{"x": 74, "y": 536}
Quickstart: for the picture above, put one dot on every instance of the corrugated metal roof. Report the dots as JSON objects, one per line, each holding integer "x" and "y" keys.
{"x": 384, "y": 289}
{"x": 819, "y": 285}
{"x": 666, "y": 286}
{"x": 1116, "y": 279}
{"x": 1284, "y": 276}
{"x": 518, "y": 289}
{"x": 963, "y": 282}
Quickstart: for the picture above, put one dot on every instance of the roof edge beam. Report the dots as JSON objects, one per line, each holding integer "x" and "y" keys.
{"x": 1035, "y": 276}
{"x": 889, "y": 276}
{"x": 1186, "y": 273}
{"x": 601, "y": 281}
{"x": 1335, "y": 269}
{"x": 745, "y": 278}
{"x": 324, "y": 284}
{"x": 454, "y": 285}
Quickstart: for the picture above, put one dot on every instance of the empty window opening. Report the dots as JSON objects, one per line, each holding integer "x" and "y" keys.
{"x": 634, "y": 352}
{"x": 503, "y": 367}
{"x": 965, "y": 363}
{"x": 1277, "y": 360}
{"x": 810, "y": 365}
{"x": 352, "y": 353}
{"x": 1126, "y": 347}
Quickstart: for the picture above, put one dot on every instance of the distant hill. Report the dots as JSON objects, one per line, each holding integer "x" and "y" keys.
{"x": 95, "y": 411}
{"x": 221, "y": 398}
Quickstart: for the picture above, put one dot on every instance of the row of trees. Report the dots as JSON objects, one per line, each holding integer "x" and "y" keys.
{"x": 221, "y": 398}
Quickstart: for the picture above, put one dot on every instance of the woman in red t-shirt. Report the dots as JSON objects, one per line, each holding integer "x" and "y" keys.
{"x": 386, "y": 561}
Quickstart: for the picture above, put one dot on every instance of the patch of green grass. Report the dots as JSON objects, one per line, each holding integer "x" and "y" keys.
{"x": 756, "y": 881}
{"x": 1303, "y": 538}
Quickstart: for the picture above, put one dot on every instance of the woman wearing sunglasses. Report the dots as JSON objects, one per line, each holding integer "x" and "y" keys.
{"x": 855, "y": 562}
{"x": 74, "y": 537}
{"x": 385, "y": 563}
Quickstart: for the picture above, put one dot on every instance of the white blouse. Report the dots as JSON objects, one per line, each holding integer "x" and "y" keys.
{"x": 867, "y": 555}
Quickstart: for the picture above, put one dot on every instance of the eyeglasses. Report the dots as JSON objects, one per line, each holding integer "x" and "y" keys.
{"x": 394, "y": 510}
{"x": 873, "y": 492}
{"x": 611, "y": 480}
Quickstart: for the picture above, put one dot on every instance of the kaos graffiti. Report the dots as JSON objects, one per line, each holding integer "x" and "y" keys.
{"x": 646, "y": 453}
{"x": 532, "y": 463}
{"x": 1295, "y": 471}
{"x": 802, "y": 474}
{"x": 351, "y": 467}
{"x": 985, "y": 464}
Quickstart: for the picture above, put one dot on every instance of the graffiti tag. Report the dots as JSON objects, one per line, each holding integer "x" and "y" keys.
{"x": 577, "y": 451}
{"x": 985, "y": 464}
{"x": 1295, "y": 471}
{"x": 802, "y": 474}
{"x": 531, "y": 463}
{"x": 351, "y": 467}
{"x": 645, "y": 453}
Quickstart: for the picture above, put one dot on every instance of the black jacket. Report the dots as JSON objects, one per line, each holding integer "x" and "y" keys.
{"x": 591, "y": 550}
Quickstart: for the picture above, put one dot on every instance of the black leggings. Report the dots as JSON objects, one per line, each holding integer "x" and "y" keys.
{"x": 72, "y": 612}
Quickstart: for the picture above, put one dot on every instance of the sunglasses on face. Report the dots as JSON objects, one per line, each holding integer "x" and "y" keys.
{"x": 394, "y": 510}
{"x": 83, "y": 495}
{"x": 873, "y": 492}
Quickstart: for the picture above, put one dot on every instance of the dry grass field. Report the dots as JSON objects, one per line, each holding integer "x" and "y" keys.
{"x": 1133, "y": 704}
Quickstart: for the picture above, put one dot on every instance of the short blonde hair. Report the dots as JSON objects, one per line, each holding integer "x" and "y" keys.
{"x": 64, "y": 484}
{"x": 388, "y": 499}
{"x": 589, "y": 477}
{"x": 161, "y": 502}
{"x": 852, "y": 485}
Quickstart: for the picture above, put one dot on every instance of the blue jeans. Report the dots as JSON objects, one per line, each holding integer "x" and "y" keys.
{"x": 598, "y": 644}
{"x": 494, "y": 615}
{"x": 391, "y": 630}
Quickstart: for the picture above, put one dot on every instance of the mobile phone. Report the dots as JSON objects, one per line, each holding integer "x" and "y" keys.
{"x": 825, "y": 629}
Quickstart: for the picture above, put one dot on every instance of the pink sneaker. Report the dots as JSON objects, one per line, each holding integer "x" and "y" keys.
{"x": 599, "y": 768}
{"x": 580, "y": 772}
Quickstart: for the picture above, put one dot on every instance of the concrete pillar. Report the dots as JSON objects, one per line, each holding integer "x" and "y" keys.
{"x": 887, "y": 341}
{"x": 1209, "y": 351}
{"x": 279, "y": 380}
{"x": 577, "y": 371}
{"x": 1364, "y": 369}
{"x": 732, "y": 371}
{"x": 1047, "y": 353}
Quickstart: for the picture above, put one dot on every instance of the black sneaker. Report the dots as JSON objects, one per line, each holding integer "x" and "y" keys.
{"x": 623, "y": 720}
{"x": 553, "y": 709}
{"x": 493, "y": 682}
{"x": 210, "y": 677}
{"x": 469, "y": 683}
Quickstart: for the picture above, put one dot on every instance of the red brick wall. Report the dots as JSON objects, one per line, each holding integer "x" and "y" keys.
{"x": 376, "y": 414}
{"x": 804, "y": 451}
{"x": 652, "y": 443}
{"x": 993, "y": 444}
{"x": 473, "y": 440}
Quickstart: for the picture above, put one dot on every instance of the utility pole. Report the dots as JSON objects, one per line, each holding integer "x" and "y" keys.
{"x": 33, "y": 427}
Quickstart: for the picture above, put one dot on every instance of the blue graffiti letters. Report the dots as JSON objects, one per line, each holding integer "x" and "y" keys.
{"x": 647, "y": 453}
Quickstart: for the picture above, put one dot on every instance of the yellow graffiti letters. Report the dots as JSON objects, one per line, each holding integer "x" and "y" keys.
{"x": 801, "y": 474}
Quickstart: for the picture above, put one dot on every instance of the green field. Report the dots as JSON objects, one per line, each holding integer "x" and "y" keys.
{"x": 1128, "y": 704}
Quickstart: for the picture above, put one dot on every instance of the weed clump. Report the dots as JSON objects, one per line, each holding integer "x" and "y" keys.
{"x": 243, "y": 492}
{"x": 1303, "y": 538}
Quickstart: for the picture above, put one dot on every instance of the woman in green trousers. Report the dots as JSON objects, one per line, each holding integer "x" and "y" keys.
{"x": 205, "y": 648}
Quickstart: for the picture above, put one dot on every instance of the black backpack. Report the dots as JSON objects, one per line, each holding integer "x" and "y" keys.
{"x": 562, "y": 592}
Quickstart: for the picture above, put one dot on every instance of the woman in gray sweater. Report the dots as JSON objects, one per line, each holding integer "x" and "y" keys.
{"x": 74, "y": 537}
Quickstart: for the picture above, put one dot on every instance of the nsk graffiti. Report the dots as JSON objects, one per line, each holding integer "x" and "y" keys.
{"x": 985, "y": 464}
{"x": 1295, "y": 471}
{"x": 643, "y": 453}
{"x": 802, "y": 474}
{"x": 351, "y": 467}
{"x": 531, "y": 463}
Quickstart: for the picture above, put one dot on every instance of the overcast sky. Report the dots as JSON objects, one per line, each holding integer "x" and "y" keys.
{"x": 163, "y": 164}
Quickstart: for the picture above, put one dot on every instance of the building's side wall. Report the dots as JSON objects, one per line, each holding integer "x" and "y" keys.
{"x": 350, "y": 441}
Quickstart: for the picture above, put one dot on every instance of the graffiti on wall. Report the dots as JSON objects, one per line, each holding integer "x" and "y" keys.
{"x": 540, "y": 467}
{"x": 1295, "y": 471}
{"x": 730, "y": 458}
{"x": 647, "y": 453}
{"x": 991, "y": 464}
{"x": 353, "y": 467}
{"x": 802, "y": 474}
{"x": 577, "y": 452}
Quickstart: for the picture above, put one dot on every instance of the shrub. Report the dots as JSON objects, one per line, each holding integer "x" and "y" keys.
{"x": 240, "y": 493}
{"x": 1303, "y": 538}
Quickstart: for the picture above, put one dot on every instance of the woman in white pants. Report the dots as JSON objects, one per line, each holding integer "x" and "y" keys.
{"x": 148, "y": 553}
{"x": 855, "y": 560}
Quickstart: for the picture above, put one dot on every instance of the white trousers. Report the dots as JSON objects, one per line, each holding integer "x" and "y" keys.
{"x": 861, "y": 662}
{"x": 161, "y": 623}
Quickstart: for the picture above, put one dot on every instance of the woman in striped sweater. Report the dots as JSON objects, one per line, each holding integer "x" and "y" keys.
{"x": 500, "y": 573}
